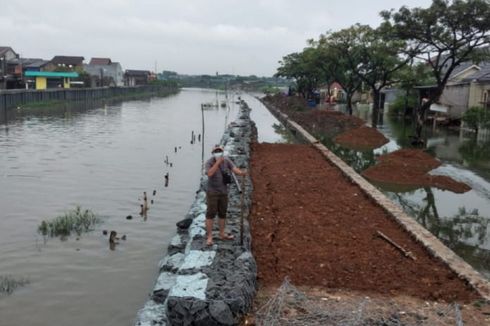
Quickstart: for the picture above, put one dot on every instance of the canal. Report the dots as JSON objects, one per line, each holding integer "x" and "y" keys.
{"x": 461, "y": 221}
{"x": 103, "y": 159}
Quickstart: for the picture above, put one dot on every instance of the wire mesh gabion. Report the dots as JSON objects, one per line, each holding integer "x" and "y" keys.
{"x": 289, "y": 306}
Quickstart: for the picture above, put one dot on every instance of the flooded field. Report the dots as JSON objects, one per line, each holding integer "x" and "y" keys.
{"x": 102, "y": 159}
{"x": 461, "y": 221}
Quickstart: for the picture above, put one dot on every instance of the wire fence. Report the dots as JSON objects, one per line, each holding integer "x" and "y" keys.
{"x": 290, "y": 306}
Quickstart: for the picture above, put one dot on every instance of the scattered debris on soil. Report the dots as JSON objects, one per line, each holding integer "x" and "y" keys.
{"x": 363, "y": 138}
{"x": 288, "y": 305}
{"x": 411, "y": 167}
{"x": 311, "y": 224}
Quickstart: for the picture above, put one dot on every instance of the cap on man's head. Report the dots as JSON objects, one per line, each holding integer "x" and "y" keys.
{"x": 217, "y": 148}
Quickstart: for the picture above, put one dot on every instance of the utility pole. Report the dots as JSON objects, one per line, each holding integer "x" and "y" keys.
{"x": 101, "y": 77}
{"x": 5, "y": 111}
{"x": 3, "y": 59}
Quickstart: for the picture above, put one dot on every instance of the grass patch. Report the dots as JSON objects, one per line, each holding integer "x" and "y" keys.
{"x": 8, "y": 284}
{"x": 75, "y": 220}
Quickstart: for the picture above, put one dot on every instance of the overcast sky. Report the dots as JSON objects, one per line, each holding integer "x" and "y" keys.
{"x": 191, "y": 36}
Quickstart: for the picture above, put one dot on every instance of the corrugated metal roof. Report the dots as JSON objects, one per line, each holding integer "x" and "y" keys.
{"x": 480, "y": 75}
{"x": 100, "y": 61}
{"x": 59, "y": 74}
{"x": 67, "y": 60}
{"x": 138, "y": 72}
{"x": 4, "y": 49}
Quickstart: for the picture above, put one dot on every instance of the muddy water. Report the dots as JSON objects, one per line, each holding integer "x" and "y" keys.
{"x": 461, "y": 221}
{"x": 103, "y": 159}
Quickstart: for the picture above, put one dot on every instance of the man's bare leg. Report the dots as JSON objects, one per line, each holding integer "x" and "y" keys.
{"x": 222, "y": 234}
{"x": 209, "y": 231}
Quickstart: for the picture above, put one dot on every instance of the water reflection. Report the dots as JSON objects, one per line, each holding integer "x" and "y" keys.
{"x": 466, "y": 232}
{"x": 284, "y": 133}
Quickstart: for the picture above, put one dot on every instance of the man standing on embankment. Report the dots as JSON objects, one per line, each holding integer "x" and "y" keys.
{"x": 218, "y": 169}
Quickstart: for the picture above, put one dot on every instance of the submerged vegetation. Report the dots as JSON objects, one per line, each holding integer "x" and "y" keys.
{"x": 75, "y": 220}
{"x": 476, "y": 118}
{"x": 8, "y": 284}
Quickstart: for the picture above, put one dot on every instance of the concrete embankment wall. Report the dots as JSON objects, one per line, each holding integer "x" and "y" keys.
{"x": 19, "y": 97}
{"x": 201, "y": 285}
{"x": 418, "y": 232}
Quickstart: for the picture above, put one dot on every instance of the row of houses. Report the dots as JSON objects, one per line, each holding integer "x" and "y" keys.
{"x": 62, "y": 71}
{"x": 468, "y": 86}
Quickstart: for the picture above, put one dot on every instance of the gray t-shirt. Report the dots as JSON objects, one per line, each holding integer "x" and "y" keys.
{"x": 215, "y": 182}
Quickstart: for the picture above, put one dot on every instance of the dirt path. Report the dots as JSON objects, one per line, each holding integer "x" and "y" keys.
{"x": 311, "y": 224}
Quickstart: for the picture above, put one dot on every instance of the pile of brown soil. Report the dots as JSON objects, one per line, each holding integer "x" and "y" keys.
{"x": 410, "y": 167}
{"x": 313, "y": 225}
{"x": 327, "y": 122}
{"x": 363, "y": 138}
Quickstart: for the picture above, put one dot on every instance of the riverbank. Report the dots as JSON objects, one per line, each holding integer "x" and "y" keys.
{"x": 315, "y": 249}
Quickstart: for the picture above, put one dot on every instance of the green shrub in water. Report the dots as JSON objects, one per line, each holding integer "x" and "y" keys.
{"x": 76, "y": 220}
{"x": 476, "y": 118}
{"x": 398, "y": 106}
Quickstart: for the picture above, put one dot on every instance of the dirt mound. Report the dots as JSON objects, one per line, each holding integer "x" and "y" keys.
{"x": 410, "y": 167}
{"x": 313, "y": 225}
{"x": 327, "y": 122}
{"x": 363, "y": 138}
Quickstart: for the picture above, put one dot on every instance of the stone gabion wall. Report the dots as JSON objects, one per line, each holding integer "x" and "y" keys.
{"x": 215, "y": 285}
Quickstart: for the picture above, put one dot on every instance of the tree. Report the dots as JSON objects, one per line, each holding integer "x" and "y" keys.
{"x": 373, "y": 56}
{"x": 443, "y": 36}
{"x": 337, "y": 68}
{"x": 303, "y": 67}
{"x": 408, "y": 77}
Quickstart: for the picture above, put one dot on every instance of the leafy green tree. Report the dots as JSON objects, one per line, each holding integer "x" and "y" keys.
{"x": 373, "y": 55}
{"x": 443, "y": 35}
{"x": 336, "y": 66}
{"x": 303, "y": 67}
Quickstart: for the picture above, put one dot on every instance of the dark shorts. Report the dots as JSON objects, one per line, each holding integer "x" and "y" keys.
{"x": 217, "y": 204}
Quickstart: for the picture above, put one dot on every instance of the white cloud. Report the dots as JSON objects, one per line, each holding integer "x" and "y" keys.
{"x": 195, "y": 36}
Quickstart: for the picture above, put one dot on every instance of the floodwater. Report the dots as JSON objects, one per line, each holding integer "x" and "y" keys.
{"x": 461, "y": 221}
{"x": 103, "y": 159}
